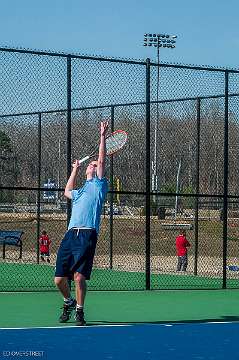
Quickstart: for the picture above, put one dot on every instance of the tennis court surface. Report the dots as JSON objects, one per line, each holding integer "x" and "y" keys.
{"x": 123, "y": 325}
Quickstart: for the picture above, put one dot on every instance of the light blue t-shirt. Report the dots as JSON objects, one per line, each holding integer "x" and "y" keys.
{"x": 87, "y": 204}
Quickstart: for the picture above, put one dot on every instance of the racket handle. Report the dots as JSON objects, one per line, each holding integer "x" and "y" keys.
{"x": 84, "y": 159}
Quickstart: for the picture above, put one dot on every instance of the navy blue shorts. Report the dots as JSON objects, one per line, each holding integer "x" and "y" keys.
{"x": 76, "y": 253}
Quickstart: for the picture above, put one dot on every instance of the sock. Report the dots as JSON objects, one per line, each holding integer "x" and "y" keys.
{"x": 79, "y": 307}
{"x": 68, "y": 301}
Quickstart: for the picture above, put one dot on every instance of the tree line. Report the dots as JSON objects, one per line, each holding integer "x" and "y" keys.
{"x": 177, "y": 139}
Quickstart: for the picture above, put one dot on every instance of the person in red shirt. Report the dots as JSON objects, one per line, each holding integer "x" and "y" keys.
{"x": 44, "y": 246}
{"x": 181, "y": 246}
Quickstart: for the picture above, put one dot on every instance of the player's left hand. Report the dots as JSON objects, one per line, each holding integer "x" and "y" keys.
{"x": 104, "y": 125}
{"x": 76, "y": 165}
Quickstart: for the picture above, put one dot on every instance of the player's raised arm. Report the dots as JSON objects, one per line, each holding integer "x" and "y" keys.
{"x": 102, "y": 149}
{"x": 71, "y": 183}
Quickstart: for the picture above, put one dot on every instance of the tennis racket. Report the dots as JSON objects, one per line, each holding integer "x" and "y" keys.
{"x": 113, "y": 143}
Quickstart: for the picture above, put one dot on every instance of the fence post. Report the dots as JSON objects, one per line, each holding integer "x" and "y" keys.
{"x": 68, "y": 131}
{"x": 197, "y": 185}
{"x": 39, "y": 186}
{"x": 4, "y": 250}
{"x": 225, "y": 191}
{"x": 111, "y": 194}
{"x": 147, "y": 174}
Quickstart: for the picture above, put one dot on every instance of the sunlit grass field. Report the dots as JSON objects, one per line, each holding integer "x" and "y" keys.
{"x": 128, "y": 254}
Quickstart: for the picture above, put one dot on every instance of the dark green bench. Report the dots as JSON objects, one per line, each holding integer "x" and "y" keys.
{"x": 11, "y": 238}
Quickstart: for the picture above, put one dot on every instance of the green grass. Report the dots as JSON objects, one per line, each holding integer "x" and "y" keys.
{"x": 128, "y": 235}
{"x": 128, "y": 239}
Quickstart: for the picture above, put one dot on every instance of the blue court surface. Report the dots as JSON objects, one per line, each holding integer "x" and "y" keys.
{"x": 157, "y": 341}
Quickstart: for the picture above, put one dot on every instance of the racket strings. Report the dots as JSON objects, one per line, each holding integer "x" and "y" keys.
{"x": 115, "y": 142}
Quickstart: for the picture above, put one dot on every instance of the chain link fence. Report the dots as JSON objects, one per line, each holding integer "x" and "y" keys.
{"x": 178, "y": 171}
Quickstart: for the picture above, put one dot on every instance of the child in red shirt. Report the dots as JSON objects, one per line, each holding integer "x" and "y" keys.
{"x": 181, "y": 246}
{"x": 44, "y": 246}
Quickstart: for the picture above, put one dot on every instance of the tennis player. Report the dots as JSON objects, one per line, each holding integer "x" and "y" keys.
{"x": 76, "y": 252}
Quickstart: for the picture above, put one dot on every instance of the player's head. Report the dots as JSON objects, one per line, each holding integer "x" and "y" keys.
{"x": 91, "y": 169}
{"x": 43, "y": 232}
{"x": 183, "y": 232}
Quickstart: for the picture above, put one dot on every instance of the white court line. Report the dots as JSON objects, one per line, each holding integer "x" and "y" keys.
{"x": 200, "y": 323}
{"x": 65, "y": 327}
{"x": 117, "y": 325}
{"x": 221, "y": 322}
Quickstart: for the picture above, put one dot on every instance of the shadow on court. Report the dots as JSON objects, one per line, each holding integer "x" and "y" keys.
{"x": 182, "y": 321}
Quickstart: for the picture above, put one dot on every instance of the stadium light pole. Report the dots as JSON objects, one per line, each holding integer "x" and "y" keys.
{"x": 158, "y": 41}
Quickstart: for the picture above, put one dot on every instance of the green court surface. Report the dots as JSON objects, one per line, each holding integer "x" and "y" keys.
{"x": 35, "y": 277}
{"x": 31, "y": 306}
{"x": 122, "y": 307}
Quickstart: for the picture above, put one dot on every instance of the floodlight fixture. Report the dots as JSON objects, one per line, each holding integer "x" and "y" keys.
{"x": 158, "y": 39}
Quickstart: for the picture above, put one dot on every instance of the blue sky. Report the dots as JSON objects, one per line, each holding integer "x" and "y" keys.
{"x": 208, "y": 31}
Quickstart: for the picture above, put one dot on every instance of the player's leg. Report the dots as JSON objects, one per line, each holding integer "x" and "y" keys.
{"x": 63, "y": 287}
{"x": 184, "y": 263}
{"x": 84, "y": 251}
{"x": 63, "y": 264}
{"x": 47, "y": 256}
{"x": 179, "y": 263}
{"x": 69, "y": 303}
{"x": 80, "y": 288}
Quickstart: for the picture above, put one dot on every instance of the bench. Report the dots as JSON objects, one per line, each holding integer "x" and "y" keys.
{"x": 12, "y": 238}
{"x": 177, "y": 226}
